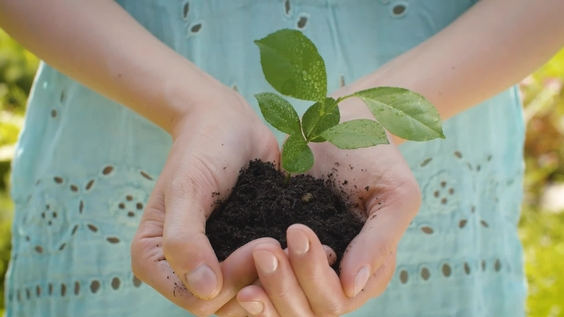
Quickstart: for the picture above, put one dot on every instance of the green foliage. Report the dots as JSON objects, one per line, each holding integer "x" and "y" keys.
{"x": 279, "y": 113}
{"x": 292, "y": 65}
{"x": 297, "y": 155}
{"x": 404, "y": 113}
{"x": 542, "y": 235}
{"x": 356, "y": 134}
{"x": 320, "y": 117}
{"x": 542, "y": 232}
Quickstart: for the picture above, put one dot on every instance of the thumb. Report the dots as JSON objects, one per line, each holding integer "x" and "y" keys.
{"x": 188, "y": 203}
{"x": 378, "y": 239}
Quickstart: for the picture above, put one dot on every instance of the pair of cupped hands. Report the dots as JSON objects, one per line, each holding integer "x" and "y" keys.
{"x": 171, "y": 253}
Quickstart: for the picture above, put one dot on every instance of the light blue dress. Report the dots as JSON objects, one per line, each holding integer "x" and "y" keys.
{"x": 85, "y": 166}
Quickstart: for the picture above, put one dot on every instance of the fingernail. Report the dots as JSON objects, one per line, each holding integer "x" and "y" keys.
{"x": 265, "y": 261}
{"x": 360, "y": 279}
{"x": 253, "y": 308}
{"x": 202, "y": 282}
{"x": 299, "y": 243}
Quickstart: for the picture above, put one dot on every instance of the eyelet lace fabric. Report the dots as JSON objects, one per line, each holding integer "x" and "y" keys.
{"x": 85, "y": 166}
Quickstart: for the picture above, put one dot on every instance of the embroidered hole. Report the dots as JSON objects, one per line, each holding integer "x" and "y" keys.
{"x": 185, "y": 10}
{"x": 58, "y": 180}
{"x": 108, "y": 170}
{"x": 342, "y": 81}
{"x": 89, "y": 184}
{"x": 426, "y": 161}
{"x": 92, "y": 227}
{"x": 425, "y": 274}
{"x": 53, "y": 113}
{"x": 81, "y": 206}
{"x": 39, "y": 249}
{"x": 484, "y": 265}
{"x": 458, "y": 154}
{"x": 302, "y": 21}
{"x": 62, "y": 97}
{"x": 467, "y": 268}
{"x": 497, "y": 265}
{"x": 116, "y": 283}
{"x": 287, "y": 7}
{"x": 50, "y": 287}
{"x": 27, "y": 293}
{"x": 38, "y": 291}
{"x": 462, "y": 223}
{"x": 399, "y": 10}
{"x": 94, "y": 286}
{"x": 136, "y": 282}
{"x": 147, "y": 176}
{"x": 427, "y": 230}
{"x": 484, "y": 224}
{"x": 404, "y": 276}
{"x": 235, "y": 88}
{"x": 76, "y": 288}
{"x": 112, "y": 240}
{"x": 196, "y": 28}
{"x": 446, "y": 270}
{"x": 63, "y": 289}
{"x": 74, "y": 188}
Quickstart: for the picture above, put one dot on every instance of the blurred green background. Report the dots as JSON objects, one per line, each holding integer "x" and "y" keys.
{"x": 542, "y": 224}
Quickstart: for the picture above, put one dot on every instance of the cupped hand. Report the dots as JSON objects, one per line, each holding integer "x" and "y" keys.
{"x": 381, "y": 184}
{"x": 170, "y": 250}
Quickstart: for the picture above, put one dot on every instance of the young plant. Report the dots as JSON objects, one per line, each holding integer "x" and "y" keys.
{"x": 292, "y": 66}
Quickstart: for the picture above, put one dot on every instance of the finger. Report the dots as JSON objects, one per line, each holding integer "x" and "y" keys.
{"x": 152, "y": 268}
{"x": 318, "y": 280}
{"x": 256, "y": 302}
{"x": 379, "y": 281}
{"x": 234, "y": 309}
{"x": 279, "y": 282}
{"x": 386, "y": 223}
{"x": 185, "y": 245}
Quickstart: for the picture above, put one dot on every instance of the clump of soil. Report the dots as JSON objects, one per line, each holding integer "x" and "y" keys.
{"x": 262, "y": 205}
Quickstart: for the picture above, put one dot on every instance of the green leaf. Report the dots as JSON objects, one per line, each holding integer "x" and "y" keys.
{"x": 356, "y": 134}
{"x": 296, "y": 155}
{"x": 403, "y": 112}
{"x": 292, "y": 65}
{"x": 279, "y": 113}
{"x": 319, "y": 118}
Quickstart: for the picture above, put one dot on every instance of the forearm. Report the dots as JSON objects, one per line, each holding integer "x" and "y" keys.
{"x": 100, "y": 45}
{"x": 488, "y": 49}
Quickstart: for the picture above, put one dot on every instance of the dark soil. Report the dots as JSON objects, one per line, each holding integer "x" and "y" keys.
{"x": 261, "y": 205}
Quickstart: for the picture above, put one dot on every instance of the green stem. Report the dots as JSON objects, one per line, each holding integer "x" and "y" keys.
{"x": 287, "y": 181}
{"x": 335, "y": 104}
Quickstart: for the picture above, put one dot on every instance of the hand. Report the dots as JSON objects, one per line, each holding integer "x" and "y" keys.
{"x": 302, "y": 283}
{"x": 170, "y": 251}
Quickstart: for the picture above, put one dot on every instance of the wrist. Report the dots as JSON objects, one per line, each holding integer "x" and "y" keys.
{"x": 185, "y": 95}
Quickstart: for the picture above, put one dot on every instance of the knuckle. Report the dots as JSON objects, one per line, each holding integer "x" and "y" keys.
{"x": 202, "y": 310}
{"x": 137, "y": 249}
{"x": 384, "y": 246}
{"x": 172, "y": 243}
{"x": 331, "y": 309}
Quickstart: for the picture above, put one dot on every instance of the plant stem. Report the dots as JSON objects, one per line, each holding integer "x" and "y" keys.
{"x": 331, "y": 107}
{"x": 287, "y": 181}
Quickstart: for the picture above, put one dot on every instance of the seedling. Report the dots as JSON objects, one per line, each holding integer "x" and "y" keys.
{"x": 292, "y": 66}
